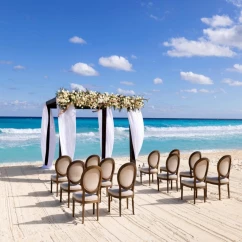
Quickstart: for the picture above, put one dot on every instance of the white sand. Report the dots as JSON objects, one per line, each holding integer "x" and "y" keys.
{"x": 29, "y": 212}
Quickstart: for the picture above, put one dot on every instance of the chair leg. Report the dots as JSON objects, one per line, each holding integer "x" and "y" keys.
{"x": 228, "y": 190}
{"x": 127, "y": 203}
{"x": 219, "y": 192}
{"x": 73, "y": 208}
{"x": 158, "y": 184}
{"x": 177, "y": 185}
{"x": 194, "y": 195}
{"x": 149, "y": 179}
{"x": 204, "y": 194}
{"x": 171, "y": 184}
{"x": 69, "y": 199}
{"x": 51, "y": 185}
{"x": 57, "y": 188}
{"x": 181, "y": 186}
{"x": 93, "y": 208}
{"x": 100, "y": 195}
{"x": 107, "y": 191}
{"x": 167, "y": 188}
{"x": 83, "y": 212}
{"x": 120, "y": 207}
{"x": 141, "y": 177}
{"x": 152, "y": 178}
{"x": 109, "y": 197}
{"x": 97, "y": 211}
{"x": 60, "y": 195}
{"x": 133, "y": 205}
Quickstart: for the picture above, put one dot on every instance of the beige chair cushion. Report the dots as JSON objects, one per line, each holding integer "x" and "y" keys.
{"x": 214, "y": 179}
{"x": 115, "y": 192}
{"x": 163, "y": 168}
{"x": 146, "y": 170}
{"x": 88, "y": 197}
{"x": 60, "y": 178}
{"x": 190, "y": 183}
{"x": 106, "y": 184}
{"x": 170, "y": 176}
{"x": 185, "y": 173}
{"x": 73, "y": 187}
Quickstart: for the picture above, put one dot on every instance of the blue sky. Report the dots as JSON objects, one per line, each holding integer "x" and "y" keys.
{"x": 184, "y": 56}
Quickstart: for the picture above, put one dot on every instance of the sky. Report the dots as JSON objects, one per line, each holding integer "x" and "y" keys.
{"x": 184, "y": 57}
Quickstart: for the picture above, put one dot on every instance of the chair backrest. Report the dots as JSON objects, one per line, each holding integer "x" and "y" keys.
{"x": 172, "y": 163}
{"x": 75, "y": 171}
{"x": 62, "y": 164}
{"x": 201, "y": 169}
{"x": 224, "y": 166}
{"x": 91, "y": 179}
{"x": 194, "y": 157}
{"x": 107, "y": 165}
{"x": 175, "y": 152}
{"x": 92, "y": 160}
{"x": 154, "y": 159}
{"x": 126, "y": 176}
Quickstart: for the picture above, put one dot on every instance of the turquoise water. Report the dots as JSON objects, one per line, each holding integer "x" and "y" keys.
{"x": 20, "y": 137}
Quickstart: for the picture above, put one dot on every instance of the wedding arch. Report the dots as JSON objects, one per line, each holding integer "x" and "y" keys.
{"x": 68, "y": 101}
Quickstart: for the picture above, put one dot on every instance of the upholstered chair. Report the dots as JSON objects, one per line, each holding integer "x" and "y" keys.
{"x": 92, "y": 160}
{"x": 173, "y": 152}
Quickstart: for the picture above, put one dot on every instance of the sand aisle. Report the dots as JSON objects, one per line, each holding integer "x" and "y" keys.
{"x": 29, "y": 212}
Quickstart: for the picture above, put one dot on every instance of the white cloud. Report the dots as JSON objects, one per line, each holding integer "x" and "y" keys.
{"x": 231, "y": 82}
{"x": 195, "y": 78}
{"x": 181, "y": 47}
{"x": 218, "y": 20}
{"x": 46, "y": 77}
{"x": 155, "y": 90}
{"x": 116, "y": 62}
{"x": 79, "y": 87}
{"x": 204, "y": 91}
{"x": 194, "y": 90}
{"x": 84, "y": 69}
{"x": 236, "y": 67}
{"x": 154, "y": 17}
{"x": 237, "y": 3}
{"x": 4, "y": 62}
{"x": 127, "y": 83}
{"x": 19, "y": 67}
{"x": 77, "y": 40}
{"x": 157, "y": 80}
{"x": 125, "y": 92}
{"x": 133, "y": 56}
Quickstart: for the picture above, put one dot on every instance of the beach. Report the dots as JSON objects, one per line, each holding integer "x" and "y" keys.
{"x": 29, "y": 212}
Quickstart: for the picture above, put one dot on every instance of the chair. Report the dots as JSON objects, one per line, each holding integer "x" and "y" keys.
{"x": 223, "y": 168}
{"x": 92, "y": 160}
{"x": 61, "y": 166}
{"x": 176, "y": 152}
{"x": 153, "y": 162}
{"x": 107, "y": 165}
{"x": 172, "y": 166}
{"x": 126, "y": 179}
{"x": 199, "y": 180}
{"x": 194, "y": 157}
{"x": 91, "y": 183}
{"x": 74, "y": 174}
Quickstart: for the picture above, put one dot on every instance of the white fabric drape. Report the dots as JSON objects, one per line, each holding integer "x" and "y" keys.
{"x": 136, "y": 123}
{"x": 109, "y": 131}
{"x": 67, "y": 131}
{"x": 52, "y": 137}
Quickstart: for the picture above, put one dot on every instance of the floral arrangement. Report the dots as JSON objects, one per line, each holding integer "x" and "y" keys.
{"x": 97, "y": 100}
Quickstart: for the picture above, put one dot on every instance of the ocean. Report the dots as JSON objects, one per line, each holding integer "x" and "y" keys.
{"x": 20, "y": 137}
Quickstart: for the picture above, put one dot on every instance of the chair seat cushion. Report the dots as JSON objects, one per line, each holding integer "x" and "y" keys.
{"x": 106, "y": 183}
{"x": 124, "y": 193}
{"x": 88, "y": 197}
{"x": 163, "y": 168}
{"x": 186, "y": 174}
{"x": 147, "y": 171}
{"x": 163, "y": 176}
{"x": 214, "y": 179}
{"x": 73, "y": 187}
{"x": 190, "y": 183}
{"x": 60, "y": 178}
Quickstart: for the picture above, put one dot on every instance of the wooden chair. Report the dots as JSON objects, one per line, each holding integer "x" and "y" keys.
{"x": 61, "y": 166}
{"x": 126, "y": 179}
{"x": 153, "y": 163}
{"x": 107, "y": 165}
{"x": 199, "y": 180}
{"x": 223, "y": 168}
{"x": 172, "y": 166}
{"x": 92, "y": 160}
{"x": 74, "y": 174}
{"x": 91, "y": 183}
{"x": 194, "y": 157}
{"x": 173, "y": 152}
